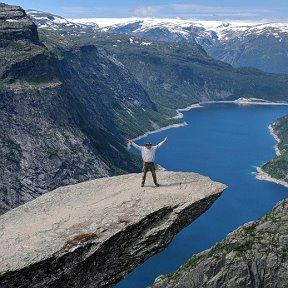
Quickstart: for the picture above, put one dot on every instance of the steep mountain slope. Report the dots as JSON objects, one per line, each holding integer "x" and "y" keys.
{"x": 64, "y": 112}
{"x": 263, "y": 46}
{"x": 255, "y": 255}
{"x": 177, "y": 74}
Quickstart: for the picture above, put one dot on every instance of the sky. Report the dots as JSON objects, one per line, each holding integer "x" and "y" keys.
{"x": 271, "y": 10}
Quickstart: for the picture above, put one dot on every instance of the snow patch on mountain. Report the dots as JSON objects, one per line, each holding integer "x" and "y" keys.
{"x": 203, "y": 28}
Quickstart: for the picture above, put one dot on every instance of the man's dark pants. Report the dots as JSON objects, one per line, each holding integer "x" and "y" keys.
{"x": 149, "y": 166}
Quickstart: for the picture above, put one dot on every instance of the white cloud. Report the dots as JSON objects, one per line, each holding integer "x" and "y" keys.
{"x": 144, "y": 11}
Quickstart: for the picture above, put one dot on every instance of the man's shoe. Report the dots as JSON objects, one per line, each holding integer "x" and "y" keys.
{"x": 157, "y": 185}
{"x": 142, "y": 185}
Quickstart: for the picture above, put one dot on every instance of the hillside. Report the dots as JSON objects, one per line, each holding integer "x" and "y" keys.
{"x": 254, "y": 255}
{"x": 177, "y": 75}
{"x": 65, "y": 113}
{"x": 278, "y": 167}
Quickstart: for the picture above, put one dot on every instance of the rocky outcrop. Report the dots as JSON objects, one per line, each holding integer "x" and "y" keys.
{"x": 255, "y": 255}
{"x": 15, "y": 25}
{"x": 92, "y": 234}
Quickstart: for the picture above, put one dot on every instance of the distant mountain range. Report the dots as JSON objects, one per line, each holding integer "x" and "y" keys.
{"x": 259, "y": 45}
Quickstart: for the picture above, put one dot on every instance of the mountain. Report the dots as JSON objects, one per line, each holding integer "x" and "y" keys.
{"x": 254, "y": 255}
{"x": 259, "y": 45}
{"x": 66, "y": 111}
{"x": 54, "y": 22}
{"x": 178, "y": 74}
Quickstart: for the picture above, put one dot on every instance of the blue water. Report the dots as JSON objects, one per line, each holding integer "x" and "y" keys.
{"x": 224, "y": 142}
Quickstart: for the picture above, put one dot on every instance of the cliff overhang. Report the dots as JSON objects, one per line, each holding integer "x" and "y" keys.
{"x": 92, "y": 234}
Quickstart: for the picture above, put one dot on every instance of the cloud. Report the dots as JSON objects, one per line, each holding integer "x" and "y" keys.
{"x": 144, "y": 11}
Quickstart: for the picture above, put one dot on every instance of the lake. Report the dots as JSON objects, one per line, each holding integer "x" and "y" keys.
{"x": 225, "y": 142}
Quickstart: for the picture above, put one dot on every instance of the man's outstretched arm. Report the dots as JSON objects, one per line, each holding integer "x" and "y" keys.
{"x": 161, "y": 143}
{"x": 134, "y": 145}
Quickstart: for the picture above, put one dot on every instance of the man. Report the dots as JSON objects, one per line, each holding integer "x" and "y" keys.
{"x": 148, "y": 155}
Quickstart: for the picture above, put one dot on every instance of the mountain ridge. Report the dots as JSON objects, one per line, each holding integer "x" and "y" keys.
{"x": 260, "y": 45}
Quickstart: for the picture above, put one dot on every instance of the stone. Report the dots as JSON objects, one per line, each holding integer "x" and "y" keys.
{"x": 93, "y": 233}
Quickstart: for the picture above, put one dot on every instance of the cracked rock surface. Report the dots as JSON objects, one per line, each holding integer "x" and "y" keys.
{"x": 94, "y": 233}
{"x": 255, "y": 255}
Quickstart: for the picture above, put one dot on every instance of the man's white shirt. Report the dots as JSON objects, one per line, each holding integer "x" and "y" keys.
{"x": 148, "y": 155}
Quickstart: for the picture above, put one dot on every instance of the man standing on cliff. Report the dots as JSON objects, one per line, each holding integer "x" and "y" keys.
{"x": 148, "y": 155}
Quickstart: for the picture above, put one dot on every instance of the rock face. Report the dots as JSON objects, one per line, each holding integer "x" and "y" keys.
{"x": 92, "y": 234}
{"x": 14, "y": 24}
{"x": 255, "y": 255}
{"x": 65, "y": 112}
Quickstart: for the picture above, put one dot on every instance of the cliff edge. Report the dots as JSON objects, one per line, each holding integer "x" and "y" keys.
{"x": 94, "y": 233}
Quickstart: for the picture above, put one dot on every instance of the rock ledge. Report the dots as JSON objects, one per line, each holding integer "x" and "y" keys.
{"x": 94, "y": 233}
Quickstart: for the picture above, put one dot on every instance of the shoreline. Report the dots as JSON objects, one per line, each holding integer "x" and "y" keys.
{"x": 179, "y": 115}
{"x": 272, "y": 133}
{"x": 262, "y": 175}
{"x": 176, "y": 125}
{"x": 245, "y": 102}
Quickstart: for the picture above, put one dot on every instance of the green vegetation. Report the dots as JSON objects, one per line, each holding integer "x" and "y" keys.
{"x": 190, "y": 264}
{"x": 249, "y": 229}
{"x": 261, "y": 237}
{"x": 278, "y": 167}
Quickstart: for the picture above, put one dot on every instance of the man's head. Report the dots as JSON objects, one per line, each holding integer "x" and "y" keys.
{"x": 148, "y": 145}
